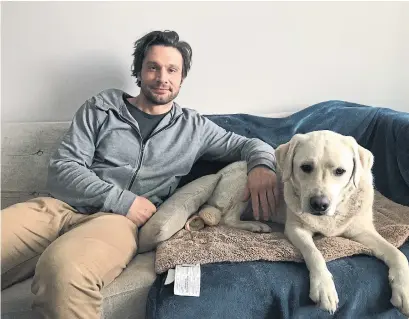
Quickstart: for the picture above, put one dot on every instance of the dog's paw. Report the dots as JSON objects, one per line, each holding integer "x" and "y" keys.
{"x": 257, "y": 227}
{"x": 400, "y": 289}
{"x": 253, "y": 226}
{"x": 323, "y": 292}
{"x": 210, "y": 215}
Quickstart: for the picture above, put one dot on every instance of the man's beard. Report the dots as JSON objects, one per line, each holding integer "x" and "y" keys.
{"x": 158, "y": 99}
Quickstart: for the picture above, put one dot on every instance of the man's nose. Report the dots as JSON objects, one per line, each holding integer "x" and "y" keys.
{"x": 162, "y": 76}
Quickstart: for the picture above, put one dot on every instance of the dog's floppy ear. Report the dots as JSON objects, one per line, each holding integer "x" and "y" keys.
{"x": 363, "y": 160}
{"x": 285, "y": 155}
{"x": 366, "y": 157}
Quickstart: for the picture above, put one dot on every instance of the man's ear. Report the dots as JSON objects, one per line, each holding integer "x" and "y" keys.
{"x": 363, "y": 160}
{"x": 285, "y": 156}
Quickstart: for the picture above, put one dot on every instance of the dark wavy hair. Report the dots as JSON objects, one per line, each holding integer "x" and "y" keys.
{"x": 165, "y": 38}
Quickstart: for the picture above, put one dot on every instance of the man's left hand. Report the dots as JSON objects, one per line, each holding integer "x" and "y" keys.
{"x": 261, "y": 185}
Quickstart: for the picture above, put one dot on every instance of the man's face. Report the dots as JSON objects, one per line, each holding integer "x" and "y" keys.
{"x": 161, "y": 74}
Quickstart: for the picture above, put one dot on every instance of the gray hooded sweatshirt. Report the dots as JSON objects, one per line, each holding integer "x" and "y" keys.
{"x": 102, "y": 163}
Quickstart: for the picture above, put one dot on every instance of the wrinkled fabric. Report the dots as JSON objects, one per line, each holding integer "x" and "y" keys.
{"x": 278, "y": 290}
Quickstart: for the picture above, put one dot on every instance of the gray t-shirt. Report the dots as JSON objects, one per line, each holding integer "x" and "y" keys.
{"x": 147, "y": 122}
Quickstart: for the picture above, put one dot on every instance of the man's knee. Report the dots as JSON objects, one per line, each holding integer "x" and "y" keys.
{"x": 64, "y": 286}
{"x": 87, "y": 257}
{"x": 57, "y": 270}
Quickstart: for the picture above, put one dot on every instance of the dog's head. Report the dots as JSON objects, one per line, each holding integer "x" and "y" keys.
{"x": 321, "y": 166}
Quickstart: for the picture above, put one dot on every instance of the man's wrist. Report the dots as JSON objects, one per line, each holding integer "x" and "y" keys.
{"x": 261, "y": 164}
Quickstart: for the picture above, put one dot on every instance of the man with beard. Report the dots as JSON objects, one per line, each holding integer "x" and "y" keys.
{"x": 120, "y": 159}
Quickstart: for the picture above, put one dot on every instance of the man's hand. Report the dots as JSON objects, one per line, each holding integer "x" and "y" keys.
{"x": 141, "y": 210}
{"x": 261, "y": 185}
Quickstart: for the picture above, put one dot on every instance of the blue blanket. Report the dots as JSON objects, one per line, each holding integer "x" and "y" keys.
{"x": 383, "y": 131}
{"x": 280, "y": 289}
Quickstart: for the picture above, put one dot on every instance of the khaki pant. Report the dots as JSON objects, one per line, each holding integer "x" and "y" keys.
{"x": 72, "y": 256}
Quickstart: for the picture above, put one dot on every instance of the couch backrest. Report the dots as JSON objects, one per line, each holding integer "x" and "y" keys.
{"x": 25, "y": 152}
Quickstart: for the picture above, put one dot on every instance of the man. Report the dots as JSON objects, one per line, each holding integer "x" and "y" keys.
{"x": 120, "y": 159}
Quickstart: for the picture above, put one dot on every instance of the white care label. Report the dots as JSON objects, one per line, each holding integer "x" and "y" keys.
{"x": 187, "y": 280}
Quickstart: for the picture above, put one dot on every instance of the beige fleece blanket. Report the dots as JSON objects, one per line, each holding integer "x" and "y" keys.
{"x": 223, "y": 244}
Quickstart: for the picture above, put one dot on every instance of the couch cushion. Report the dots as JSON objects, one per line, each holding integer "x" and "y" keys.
{"x": 25, "y": 152}
{"x": 124, "y": 298}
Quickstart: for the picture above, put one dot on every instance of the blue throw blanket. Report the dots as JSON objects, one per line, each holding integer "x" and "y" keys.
{"x": 383, "y": 131}
{"x": 280, "y": 289}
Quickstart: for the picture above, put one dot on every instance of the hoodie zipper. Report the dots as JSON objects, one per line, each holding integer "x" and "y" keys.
{"x": 139, "y": 166}
{"x": 143, "y": 148}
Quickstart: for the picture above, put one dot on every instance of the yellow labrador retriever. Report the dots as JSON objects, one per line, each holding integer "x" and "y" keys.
{"x": 328, "y": 189}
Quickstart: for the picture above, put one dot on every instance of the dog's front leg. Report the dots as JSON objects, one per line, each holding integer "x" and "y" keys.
{"x": 396, "y": 261}
{"x": 322, "y": 287}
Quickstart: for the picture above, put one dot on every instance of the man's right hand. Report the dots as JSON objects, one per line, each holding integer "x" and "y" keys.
{"x": 141, "y": 210}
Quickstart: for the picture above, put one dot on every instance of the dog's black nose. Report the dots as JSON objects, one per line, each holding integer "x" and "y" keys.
{"x": 319, "y": 203}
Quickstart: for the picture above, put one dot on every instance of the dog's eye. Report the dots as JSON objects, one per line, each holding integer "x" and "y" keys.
{"x": 339, "y": 171}
{"x": 306, "y": 168}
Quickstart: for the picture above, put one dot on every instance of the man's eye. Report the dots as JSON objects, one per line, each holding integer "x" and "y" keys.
{"x": 306, "y": 168}
{"x": 152, "y": 68}
{"x": 173, "y": 70}
{"x": 339, "y": 171}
